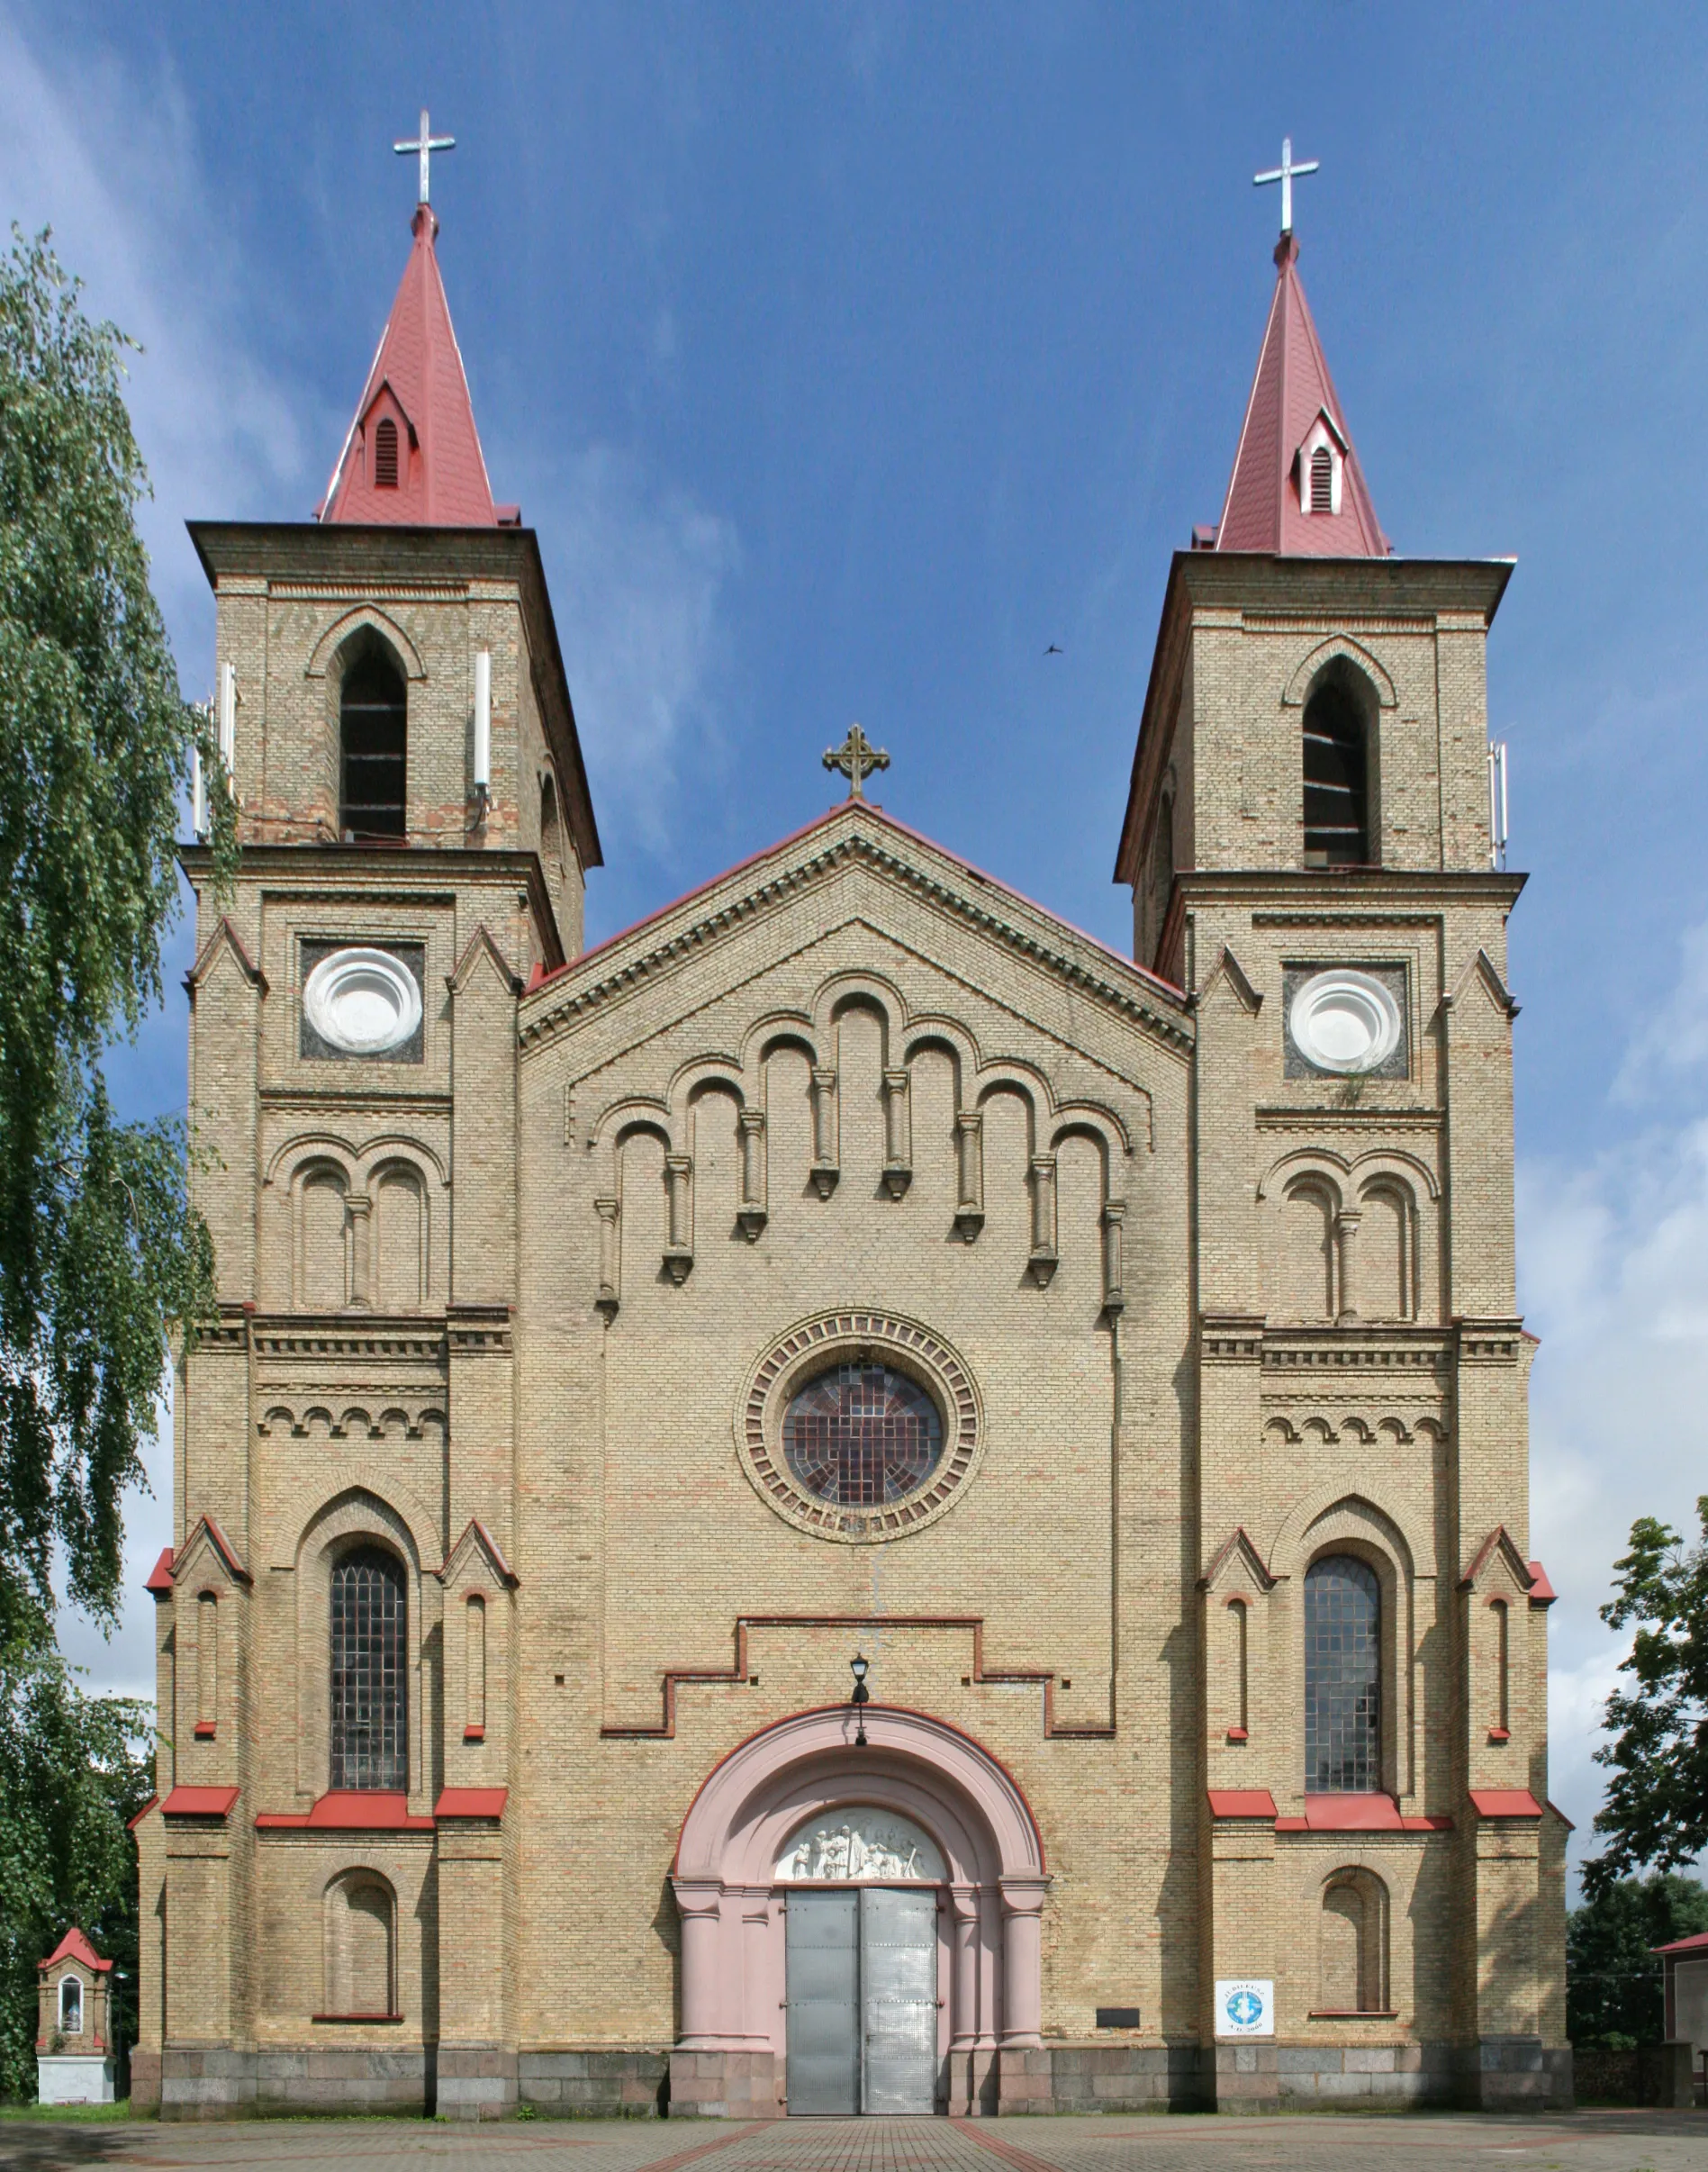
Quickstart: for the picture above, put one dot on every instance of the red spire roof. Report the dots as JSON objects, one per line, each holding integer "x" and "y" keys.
{"x": 74, "y": 1946}
{"x": 1296, "y": 488}
{"x": 412, "y": 456}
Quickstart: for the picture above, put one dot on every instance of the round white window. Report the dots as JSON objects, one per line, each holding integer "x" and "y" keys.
{"x": 362, "y": 1001}
{"x": 1344, "y": 1021}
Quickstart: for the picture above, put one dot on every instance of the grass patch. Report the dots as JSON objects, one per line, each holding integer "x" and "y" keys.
{"x": 74, "y": 2115}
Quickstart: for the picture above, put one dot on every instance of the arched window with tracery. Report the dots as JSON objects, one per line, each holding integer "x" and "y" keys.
{"x": 1336, "y": 779}
{"x": 370, "y": 1679}
{"x": 1342, "y": 1677}
{"x": 374, "y": 739}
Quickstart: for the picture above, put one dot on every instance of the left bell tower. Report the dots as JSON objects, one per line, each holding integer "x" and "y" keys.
{"x": 335, "y": 1614}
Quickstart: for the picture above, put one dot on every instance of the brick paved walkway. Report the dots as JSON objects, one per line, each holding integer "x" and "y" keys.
{"x": 1584, "y": 2141}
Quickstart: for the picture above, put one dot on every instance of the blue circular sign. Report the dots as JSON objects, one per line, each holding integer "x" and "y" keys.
{"x": 1244, "y": 2007}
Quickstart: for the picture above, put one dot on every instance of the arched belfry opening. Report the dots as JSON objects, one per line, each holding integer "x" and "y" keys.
{"x": 373, "y": 744}
{"x": 1337, "y": 776}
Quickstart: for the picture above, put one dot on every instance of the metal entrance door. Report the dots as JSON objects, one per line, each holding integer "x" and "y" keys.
{"x": 862, "y": 2001}
{"x": 899, "y": 2000}
{"x": 823, "y": 1958}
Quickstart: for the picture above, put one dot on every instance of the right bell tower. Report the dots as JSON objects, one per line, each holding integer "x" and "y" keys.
{"x": 1309, "y": 843}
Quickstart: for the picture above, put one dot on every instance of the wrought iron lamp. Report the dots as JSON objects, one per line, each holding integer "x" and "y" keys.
{"x": 862, "y": 1696}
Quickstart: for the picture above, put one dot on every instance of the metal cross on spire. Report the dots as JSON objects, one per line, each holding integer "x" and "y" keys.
{"x": 424, "y": 145}
{"x": 1284, "y": 173}
{"x": 856, "y": 757}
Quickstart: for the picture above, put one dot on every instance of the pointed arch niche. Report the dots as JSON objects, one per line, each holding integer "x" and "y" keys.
{"x": 913, "y": 1767}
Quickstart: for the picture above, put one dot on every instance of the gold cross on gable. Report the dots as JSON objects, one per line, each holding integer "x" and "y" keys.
{"x": 856, "y": 757}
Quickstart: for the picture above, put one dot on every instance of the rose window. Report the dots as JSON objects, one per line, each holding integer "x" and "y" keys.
{"x": 861, "y": 1435}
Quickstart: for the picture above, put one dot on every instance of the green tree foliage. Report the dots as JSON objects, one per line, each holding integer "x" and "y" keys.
{"x": 1614, "y": 1994}
{"x": 1656, "y": 1810}
{"x": 73, "y": 1769}
{"x": 100, "y": 1249}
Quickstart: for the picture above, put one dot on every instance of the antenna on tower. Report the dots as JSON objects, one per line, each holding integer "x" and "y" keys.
{"x": 1497, "y": 803}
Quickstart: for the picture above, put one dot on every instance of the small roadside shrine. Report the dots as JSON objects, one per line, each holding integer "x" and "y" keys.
{"x": 76, "y": 2056}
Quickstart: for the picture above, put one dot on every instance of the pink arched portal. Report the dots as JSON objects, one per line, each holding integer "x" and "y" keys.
{"x": 732, "y": 1909}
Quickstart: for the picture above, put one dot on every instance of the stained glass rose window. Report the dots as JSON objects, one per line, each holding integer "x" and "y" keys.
{"x": 862, "y": 1434}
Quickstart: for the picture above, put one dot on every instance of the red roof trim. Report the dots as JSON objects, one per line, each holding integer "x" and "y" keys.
{"x": 75, "y": 1947}
{"x": 471, "y": 1802}
{"x": 1542, "y": 1592}
{"x": 1351, "y": 1813}
{"x": 1696, "y": 1943}
{"x": 1242, "y": 1802}
{"x": 198, "y": 1802}
{"x": 1505, "y": 1802}
{"x": 349, "y": 1810}
{"x": 871, "y": 807}
{"x": 130, "y": 1823}
{"x": 160, "y": 1576}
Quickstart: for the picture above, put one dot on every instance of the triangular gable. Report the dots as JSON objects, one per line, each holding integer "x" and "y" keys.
{"x": 859, "y": 833}
{"x": 1481, "y": 973}
{"x": 477, "y": 1543}
{"x": 386, "y": 390}
{"x": 225, "y": 1553}
{"x": 1228, "y": 967}
{"x": 1325, "y": 416}
{"x": 481, "y": 945}
{"x": 224, "y": 939}
{"x": 1236, "y": 1560}
{"x": 1497, "y": 1551}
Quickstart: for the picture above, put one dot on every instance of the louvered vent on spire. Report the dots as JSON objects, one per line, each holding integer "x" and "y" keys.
{"x": 412, "y": 456}
{"x": 1297, "y": 489}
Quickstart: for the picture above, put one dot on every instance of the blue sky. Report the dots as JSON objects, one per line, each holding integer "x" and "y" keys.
{"x": 846, "y": 355}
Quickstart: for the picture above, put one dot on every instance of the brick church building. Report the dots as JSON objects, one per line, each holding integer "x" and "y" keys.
{"x": 850, "y": 1501}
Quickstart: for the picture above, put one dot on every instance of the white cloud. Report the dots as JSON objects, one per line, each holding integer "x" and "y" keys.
{"x": 1613, "y": 1275}
{"x": 638, "y": 574}
{"x": 111, "y": 164}
{"x": 1674, "y": 1043}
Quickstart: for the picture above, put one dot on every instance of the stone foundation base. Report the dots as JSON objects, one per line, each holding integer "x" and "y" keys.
{"x": 1508, "y": 2074}
{"x": 214, "y": 2083}
{"x": 1361, "y": 2074}
{"x": 1500, "y": 2074}
{"x": 475, "y": 2082}
{"x": 972, "y": 2083}
{"x": 145, "y": 2080}
{"x": 1099, "y": 2077}
{"x": 1246, "y": 2077}
{"x": 594, "y": 2083}
{"x": 1517, "y": 2074}
{"x": 724, "y": 2085}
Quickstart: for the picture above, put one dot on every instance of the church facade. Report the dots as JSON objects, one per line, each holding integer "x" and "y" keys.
{"x": 850, "y": 1501}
